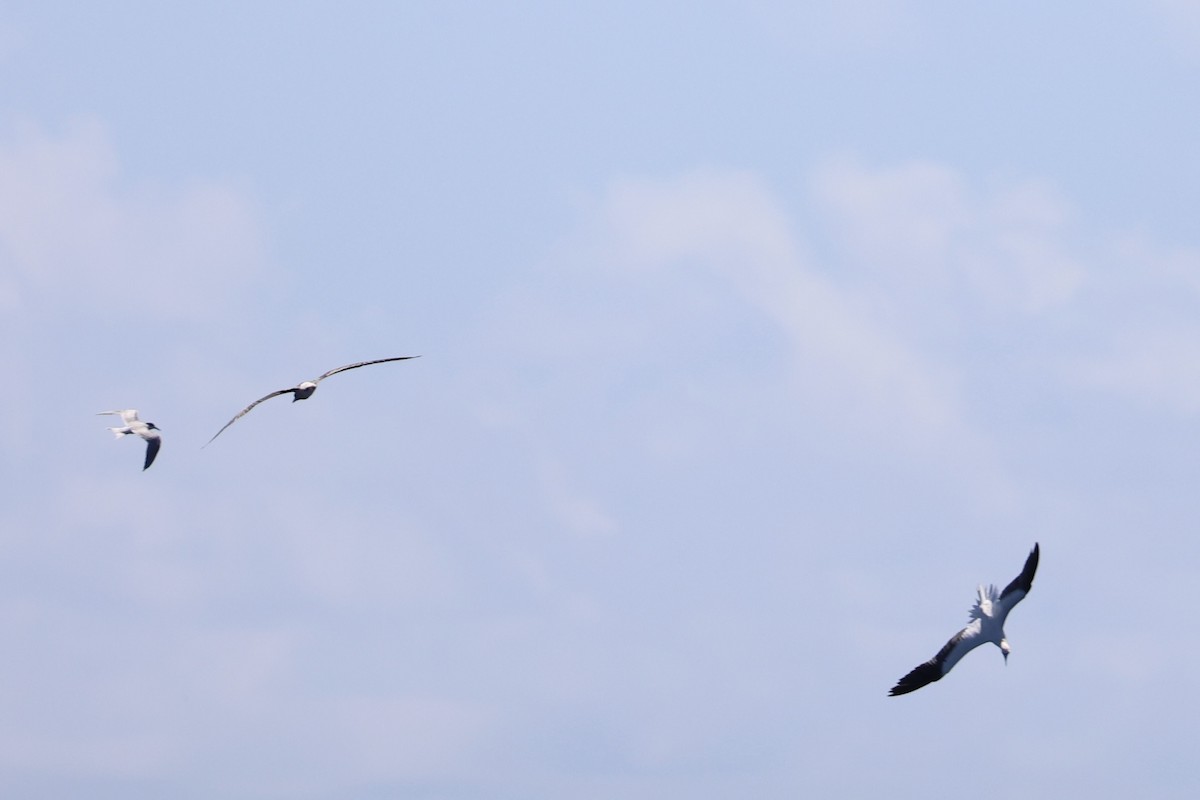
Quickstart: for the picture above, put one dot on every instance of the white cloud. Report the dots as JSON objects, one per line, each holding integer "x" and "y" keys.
{"x": 1159, "y": 366}
{"x": 727, "y": 226}
{"x": 920, "y": 231}
{"x": 904, "y": 216}
{"x": 1025, "y": 264}
{"x": 77, "y": 236}
{"x": 914, "y": 308}
{"x": 1141, "y": 325}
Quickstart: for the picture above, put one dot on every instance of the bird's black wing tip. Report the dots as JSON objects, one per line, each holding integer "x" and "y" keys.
{"x": 1024, "y": 581}
{"x": 152, "y": 448}
{"x": 920, "y": 676}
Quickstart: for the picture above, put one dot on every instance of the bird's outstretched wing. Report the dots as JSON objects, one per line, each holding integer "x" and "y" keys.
{"x": 152, "y": 444}
{"x": 246, "y": 411}
{"x": 128, "y": 415}
{"x": 935, "y": 668}
{"x": 1019, "y": 587}
{"x": 361, "y": 364}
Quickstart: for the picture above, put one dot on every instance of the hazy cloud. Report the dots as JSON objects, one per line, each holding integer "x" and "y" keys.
{"x": 78, "y": 236}
{"x": 922, "y": 228}
{"x": 728, "y": 228}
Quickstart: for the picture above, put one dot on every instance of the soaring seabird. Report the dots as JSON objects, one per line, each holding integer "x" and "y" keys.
{"x": 146, "y": 430}
{"x": 304, "y": 390}
{"x": 987, "y": 625}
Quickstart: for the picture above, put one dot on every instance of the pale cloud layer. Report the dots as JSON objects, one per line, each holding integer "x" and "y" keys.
{"x": 1158, "y": 367}
{"x": 77, "y": 236}
{"x": 608, "y": 568}
{"x": 729, "y": 227}
{"x": 854, "y": 303}
{"x": 948, "y": 261}
{"x": 921, "y": 226}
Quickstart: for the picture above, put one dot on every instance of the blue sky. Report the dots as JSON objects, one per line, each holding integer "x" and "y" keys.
{"x": 753, "y": 337}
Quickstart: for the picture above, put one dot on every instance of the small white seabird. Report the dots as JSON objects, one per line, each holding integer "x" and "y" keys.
{"x": 304, "y": 390}
{"x": 987, "y": 625}
{"x": 146, "y": 430}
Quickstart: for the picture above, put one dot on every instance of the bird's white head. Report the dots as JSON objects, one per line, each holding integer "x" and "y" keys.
{"x": 1005, "y": 649}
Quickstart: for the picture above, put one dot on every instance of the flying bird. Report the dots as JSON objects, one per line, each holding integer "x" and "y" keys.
{"x": 304, "y": 390}
{"x": 987, "y": 625}
{"x": 147, "y": 430}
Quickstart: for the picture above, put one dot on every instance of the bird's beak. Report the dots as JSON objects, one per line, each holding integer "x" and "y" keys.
{"x": 1005, "y": 659}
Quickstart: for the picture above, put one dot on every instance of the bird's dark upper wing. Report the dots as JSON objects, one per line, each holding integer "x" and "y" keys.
{"x": 246, "y": 411}
{"x": 152, "y": 445}
{"x": 361, "y": 364}
{"x": 935, "y": 668}
{"x": 1020, "y": 585}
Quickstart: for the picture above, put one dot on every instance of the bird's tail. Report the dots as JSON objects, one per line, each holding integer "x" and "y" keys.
{"x": 119, "y": 432}
{"x": 987, "y": 595}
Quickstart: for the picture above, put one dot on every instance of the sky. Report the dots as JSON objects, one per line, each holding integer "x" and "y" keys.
{"x": 753, "y": 337}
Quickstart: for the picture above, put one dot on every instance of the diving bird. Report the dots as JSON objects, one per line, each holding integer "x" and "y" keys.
{"x": 987, "y": 625}
{"x": 304, "y": 390}
{"x": 147, "y": 430}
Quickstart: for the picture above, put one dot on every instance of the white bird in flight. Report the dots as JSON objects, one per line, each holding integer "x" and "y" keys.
{"x": 147, "y": 430}
{"x": 987, "y": 625}
{"x": 304, "y": 390}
